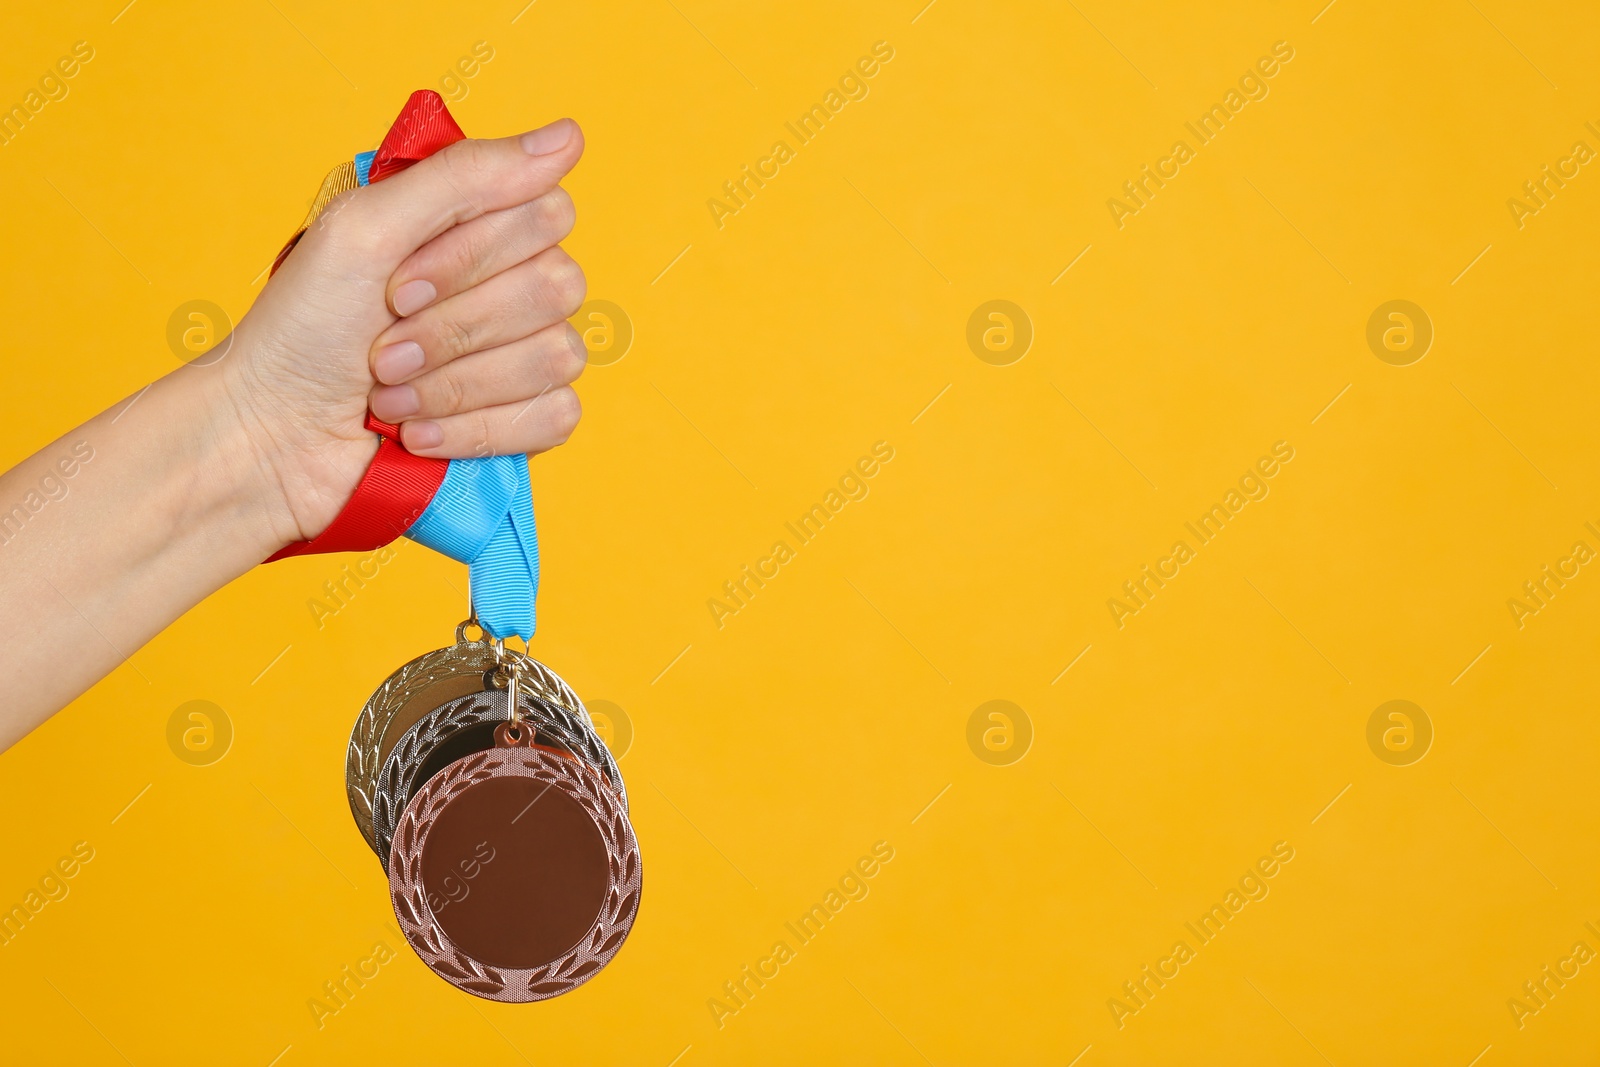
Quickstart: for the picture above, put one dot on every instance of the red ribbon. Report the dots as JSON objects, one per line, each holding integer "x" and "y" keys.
{"x": 423, "y": 127}
{"x": 398, "y": 486}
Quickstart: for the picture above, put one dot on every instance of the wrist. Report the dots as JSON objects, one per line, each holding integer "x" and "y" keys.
{"x": 230, "y": 487}
{"x": 281, "y": 475}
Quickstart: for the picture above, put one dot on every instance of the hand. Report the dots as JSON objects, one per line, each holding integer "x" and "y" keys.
{"x": 439, "y": 297}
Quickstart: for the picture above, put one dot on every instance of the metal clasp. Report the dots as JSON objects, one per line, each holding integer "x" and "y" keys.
{"x": 513, "y": 671}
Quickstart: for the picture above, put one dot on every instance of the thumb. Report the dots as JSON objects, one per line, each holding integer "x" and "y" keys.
{"x": 461, "y": 182}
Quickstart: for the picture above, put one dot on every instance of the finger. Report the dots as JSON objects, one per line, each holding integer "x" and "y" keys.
{"x": 511, "y": 373}
{"x": 462, "y": 182}
{"x": 467, "y": 254}
{"x": 536, "y": 425}
{"x": 512, "y": 304}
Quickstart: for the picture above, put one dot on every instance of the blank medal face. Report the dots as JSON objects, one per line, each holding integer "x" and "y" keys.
{"x": 515, "y": 872}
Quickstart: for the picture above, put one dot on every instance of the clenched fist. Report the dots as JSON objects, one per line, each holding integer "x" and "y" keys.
{"x": 439, "y": 298}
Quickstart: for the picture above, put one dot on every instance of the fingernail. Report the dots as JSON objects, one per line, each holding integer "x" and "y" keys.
{"x": 422, "y": 435}
{"x": 413, "y": 296}
{"x": 398, "y": 361}
{"x": 547, "y": 139}
{"x": 395, "y": 402}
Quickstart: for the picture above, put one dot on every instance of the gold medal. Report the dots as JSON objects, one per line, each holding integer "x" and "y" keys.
{"x": 427, "y": 682}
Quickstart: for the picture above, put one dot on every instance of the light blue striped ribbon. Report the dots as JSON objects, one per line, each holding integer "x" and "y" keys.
{"x": 482, "y": 515}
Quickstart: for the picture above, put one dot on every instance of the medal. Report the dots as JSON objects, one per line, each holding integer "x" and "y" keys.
{"x": 514, "y": 872}
{"x": 419, "y": 687}
{"x": 467, "y": 725}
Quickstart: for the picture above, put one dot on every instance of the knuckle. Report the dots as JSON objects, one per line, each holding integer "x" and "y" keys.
{"x": 465, "y": 158}
{"x": 556, "y": 214}
{"x": 565, "y": 411}
{"x": 572, "y": 359}
{"x": 472, "y": 431}
{"x": 461, "y": 258}
{"x": 482, "y": 441}
{"x": 564, "y": 280}
{"x": 455, "y": 338}
{"x": 450, "y": 391}
{"x": 465, "y": 166}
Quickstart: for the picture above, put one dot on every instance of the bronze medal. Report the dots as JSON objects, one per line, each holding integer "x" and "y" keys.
{"x": 467, "y": 725}
{"x": 427, "y": 682}
{"x": 514, "y": 871}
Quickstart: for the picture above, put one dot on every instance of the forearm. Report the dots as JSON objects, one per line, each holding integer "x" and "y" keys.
{"x": 438, "y": 295}
{"x": 115, "y": 529}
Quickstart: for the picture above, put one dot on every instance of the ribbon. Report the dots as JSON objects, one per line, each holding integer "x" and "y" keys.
{"x": 478, "y": 511}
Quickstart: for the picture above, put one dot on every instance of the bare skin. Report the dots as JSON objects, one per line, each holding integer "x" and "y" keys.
{"x": 439, "y": 297}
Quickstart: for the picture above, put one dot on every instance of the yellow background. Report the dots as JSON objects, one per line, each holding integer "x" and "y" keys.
{"x": 828, "y": 714}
